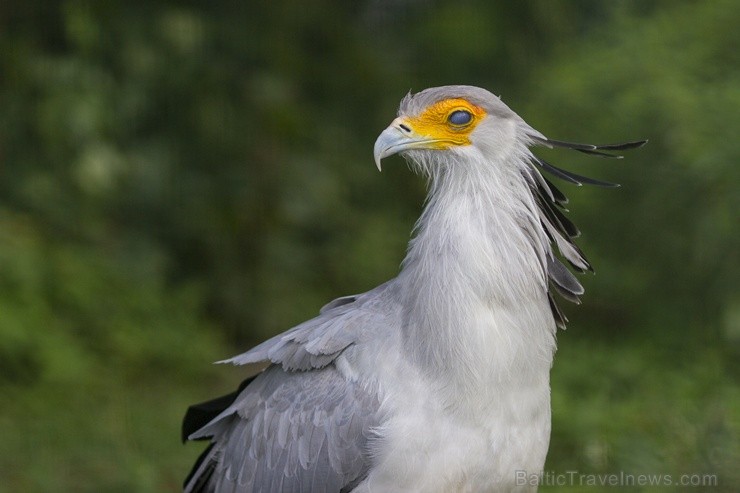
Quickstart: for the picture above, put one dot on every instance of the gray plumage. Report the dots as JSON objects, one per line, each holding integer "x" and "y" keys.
{"x": 304, "y": 433}
{"x": 437, "y": 380}
{"x": 308, "y": 432}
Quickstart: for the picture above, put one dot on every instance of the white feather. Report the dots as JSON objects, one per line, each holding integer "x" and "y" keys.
{"x": 466, "y": 381}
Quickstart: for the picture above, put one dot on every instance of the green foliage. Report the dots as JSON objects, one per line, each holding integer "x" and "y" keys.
{"x": 97, "y": 359}
{"x": 663, "y": 335}
{"x": 179, "y": 182}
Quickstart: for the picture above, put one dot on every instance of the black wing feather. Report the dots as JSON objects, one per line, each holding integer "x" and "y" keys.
{"x": 196, "y": 417}
{"x": 199, "y": 415}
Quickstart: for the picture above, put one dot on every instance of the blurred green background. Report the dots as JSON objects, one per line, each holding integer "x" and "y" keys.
{"x": 180, "y": 180}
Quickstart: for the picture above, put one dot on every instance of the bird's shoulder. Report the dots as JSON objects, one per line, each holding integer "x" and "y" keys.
{"x": 344, "y": 322}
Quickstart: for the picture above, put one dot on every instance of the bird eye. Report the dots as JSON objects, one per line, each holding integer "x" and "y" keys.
{"x": 460, "y": 117}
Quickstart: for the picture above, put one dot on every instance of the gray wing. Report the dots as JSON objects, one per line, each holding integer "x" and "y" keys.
{"x": 341, "y": 301}
{"x": 317, "y": 342}
{"x": 292, "y": 432}
{"x": 300, "y": 425}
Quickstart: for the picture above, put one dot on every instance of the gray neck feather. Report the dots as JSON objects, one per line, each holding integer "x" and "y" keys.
{"x": 475, "y": 273}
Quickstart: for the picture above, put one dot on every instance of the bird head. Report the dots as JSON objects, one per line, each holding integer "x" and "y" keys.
{"x": 453, "y": 130}
{"x": 436, "y": 126}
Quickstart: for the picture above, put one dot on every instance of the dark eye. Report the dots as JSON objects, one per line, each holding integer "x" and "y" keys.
{"x": 460, "y": 117}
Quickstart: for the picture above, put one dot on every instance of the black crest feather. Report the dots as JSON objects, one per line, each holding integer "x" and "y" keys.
{"x": 561, "y": 230}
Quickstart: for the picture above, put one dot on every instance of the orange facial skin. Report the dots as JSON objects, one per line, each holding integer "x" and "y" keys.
{"x": 434, "y": 123}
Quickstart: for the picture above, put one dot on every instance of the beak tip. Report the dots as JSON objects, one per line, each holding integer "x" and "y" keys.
{"x": 391, "y": 141}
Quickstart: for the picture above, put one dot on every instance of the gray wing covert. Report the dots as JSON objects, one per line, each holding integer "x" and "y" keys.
{"x": 300, "y": 425}
{"x": 293, "y": 432}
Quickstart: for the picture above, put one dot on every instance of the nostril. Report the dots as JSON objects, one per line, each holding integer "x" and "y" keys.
{"x": 404, "y": 128}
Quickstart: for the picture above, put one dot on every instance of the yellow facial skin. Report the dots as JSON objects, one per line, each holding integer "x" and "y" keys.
{"x": 435, "y": 127}
{"x": 443, "y": 125}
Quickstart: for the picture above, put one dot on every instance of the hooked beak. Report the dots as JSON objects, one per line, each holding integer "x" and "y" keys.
{"x": 398, "y": 137}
